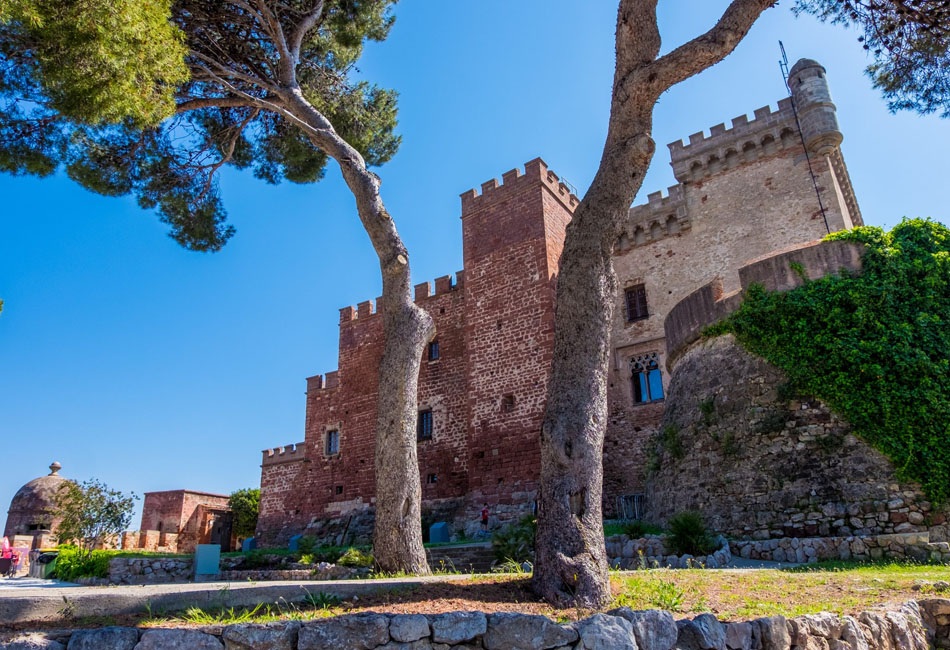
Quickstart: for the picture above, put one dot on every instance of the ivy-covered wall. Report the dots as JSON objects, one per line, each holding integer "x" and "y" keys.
{"x": 875, "y": 347}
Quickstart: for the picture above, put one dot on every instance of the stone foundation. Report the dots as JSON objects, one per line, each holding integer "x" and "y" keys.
{"x": 912, "y": 626}
{"x": 759, "y": 464}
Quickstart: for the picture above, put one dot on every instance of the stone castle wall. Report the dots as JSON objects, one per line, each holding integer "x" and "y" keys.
{"x": 758, "y": 465}
{"x": 743, "y": 192}
{"x": 485, "y": 390}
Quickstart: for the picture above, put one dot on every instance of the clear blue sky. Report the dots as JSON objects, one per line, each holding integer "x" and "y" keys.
{"x": 131, "y": 360}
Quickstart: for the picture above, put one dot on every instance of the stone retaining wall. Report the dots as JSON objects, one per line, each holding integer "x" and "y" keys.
{"x": 650, "y": 552}
{"x": 908, "y": 546}
{"x": 916, "y": 625}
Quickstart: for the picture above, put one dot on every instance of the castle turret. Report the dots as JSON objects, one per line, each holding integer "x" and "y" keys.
{"x": 816, "y": 111}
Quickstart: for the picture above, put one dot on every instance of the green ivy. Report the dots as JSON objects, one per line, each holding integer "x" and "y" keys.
{"x": 875, "y": 347}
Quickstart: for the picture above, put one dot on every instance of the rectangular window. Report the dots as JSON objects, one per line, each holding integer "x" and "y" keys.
{"x": 647, "y": 379}
{"x": 339, "y": 489}
{"x": 433, "y": 350}
{"x": 507, "y": 403}
{"x": 424, "y": 425}
{"x": 331, "y": 445}
{"x": 636, "y": 299}
{"x": 431, "y": 478}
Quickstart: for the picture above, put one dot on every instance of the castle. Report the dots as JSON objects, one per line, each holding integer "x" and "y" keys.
{"x": 765, "y": 183}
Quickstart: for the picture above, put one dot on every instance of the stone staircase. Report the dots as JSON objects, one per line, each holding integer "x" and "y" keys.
{"x": 468, "y": 558}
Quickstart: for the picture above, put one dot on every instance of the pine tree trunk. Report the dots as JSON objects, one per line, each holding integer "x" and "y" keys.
{"x": 407, "y": 328}
{"x": 570, "y": 557}
{"x": 397, "y": 538}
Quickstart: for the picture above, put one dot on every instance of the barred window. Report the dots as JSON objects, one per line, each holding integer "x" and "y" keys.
{"x": 647, "y": 379}
{"x": 331, "y": 445}
{"x": 424, "y": 425}
{"x": 636, "y": 301}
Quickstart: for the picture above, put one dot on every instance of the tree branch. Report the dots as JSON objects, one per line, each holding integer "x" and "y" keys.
{"x": 709, "y": 48}
{"x": 307, "y": 23}
{"x": 213, "y": 102}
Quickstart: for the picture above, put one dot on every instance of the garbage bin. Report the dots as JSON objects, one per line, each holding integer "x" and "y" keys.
{"x": 43, "y": 564}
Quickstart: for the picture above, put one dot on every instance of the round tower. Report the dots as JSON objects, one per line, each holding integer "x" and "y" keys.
{"x": 816, "y": 111}
{"x": 31, "y": 510}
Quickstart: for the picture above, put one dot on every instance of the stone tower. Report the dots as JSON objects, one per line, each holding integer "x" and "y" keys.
{"x": 816, "y": 112}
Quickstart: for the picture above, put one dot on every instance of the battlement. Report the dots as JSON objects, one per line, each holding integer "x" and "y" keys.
{"x": 768, "y": 132}
{"x": 514, "y": 181}
{"x": 781, "y": 270}
{"x": 287, "y": 454}
{"x": 443, "y": 285}
{"x": 660, "y": 217}
{"x": 368, "y": 308}
{"x": 319, "y": 382}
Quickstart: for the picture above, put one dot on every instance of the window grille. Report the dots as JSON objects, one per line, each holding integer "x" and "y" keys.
{"x": 647, "y": 379}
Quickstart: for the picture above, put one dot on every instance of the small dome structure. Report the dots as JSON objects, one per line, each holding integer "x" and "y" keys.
{"x": 32, "y": 506}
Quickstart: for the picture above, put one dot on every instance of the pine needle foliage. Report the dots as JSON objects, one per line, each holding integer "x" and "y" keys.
{"x": 154, "y": 98}
{"x": 875, "y": 347}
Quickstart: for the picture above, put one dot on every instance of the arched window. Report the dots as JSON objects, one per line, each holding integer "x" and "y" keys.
{"x": 647, "y": 379}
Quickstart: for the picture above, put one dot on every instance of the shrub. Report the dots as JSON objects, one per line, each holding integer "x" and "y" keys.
{"x": 516, "y": 543}
{"x": 688, "y": 535}
{"x": 354, "y": 557}
{"x": 640, "y": 529}
{"x": 74, "y": 563}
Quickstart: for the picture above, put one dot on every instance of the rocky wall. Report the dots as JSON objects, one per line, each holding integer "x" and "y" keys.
{"x": 914, "y": 547}
{"x": 650, "y": 552}
{"x": 912, "y": 626}
{"x": 759, "y": 464}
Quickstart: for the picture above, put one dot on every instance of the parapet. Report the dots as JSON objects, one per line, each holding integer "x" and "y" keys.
{"x": 368, "y": 308}
{"x": 662, "y": 216}
{"x": 287, "y": 454}
{"x": 320, "y": 382}
{"x": 782, "y": 270}
{"x": 514, "y": 181}
{"x": 443, "y": 285}
{"x": 766, "y": 133}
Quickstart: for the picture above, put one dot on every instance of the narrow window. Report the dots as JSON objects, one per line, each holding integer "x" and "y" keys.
{"x": 508, "y": 403}
{"x": 636, "y": 299}
{"x": 431, "y": 478}
{"x": 434, "y": 350}
{"x": 424, "y": 425}
{"x": 332, "y": 443}
{"x": 647, "y": 379}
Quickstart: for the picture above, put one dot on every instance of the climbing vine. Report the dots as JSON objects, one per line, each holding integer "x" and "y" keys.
{"x": 875, "y": 347}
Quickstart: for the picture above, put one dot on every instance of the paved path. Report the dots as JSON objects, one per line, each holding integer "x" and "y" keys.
{"x": 26, "y": 599}
{"x": 22, "y": 600}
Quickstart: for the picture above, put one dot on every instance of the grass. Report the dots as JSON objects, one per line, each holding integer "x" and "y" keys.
{"x": 837, "y": 587}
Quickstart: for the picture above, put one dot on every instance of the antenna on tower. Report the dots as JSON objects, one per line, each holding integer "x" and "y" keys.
{"x": 783, "y": 63}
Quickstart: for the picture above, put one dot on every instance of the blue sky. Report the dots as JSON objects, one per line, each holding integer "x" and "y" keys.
{"x": 149, "y": 367}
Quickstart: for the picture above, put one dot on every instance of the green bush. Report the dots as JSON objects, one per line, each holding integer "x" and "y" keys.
{"x": 73, "y": 563}
{"x": 516, "y": 543}
{"x": 875, "y": 347}
{"x": 640, "y": 529}
{"x": 688, "y": 535}
{"x": 354, "y": 557}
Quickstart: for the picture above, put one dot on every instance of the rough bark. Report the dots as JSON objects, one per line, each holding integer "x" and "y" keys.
{"x": 406, "y": 327}
{"x": 571, "y": 563}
